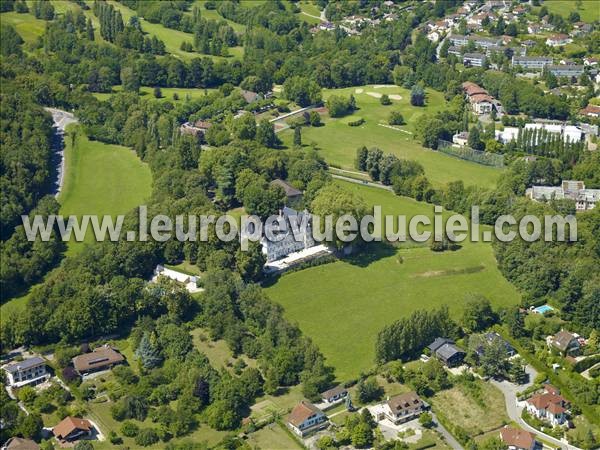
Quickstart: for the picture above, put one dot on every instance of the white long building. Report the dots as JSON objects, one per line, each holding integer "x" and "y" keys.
{"x": 585, "y": 199}
{"x": 570, "y": 133}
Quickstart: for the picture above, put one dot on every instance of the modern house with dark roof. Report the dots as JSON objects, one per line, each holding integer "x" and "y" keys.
{"x": 495, "y": 337}
{"x": 335, "y": 394}
{"x": 102, "y": 358}
{"x": 30, "y": 371}
{"x": 306, "y": 418}
{"x": 447, "y": 352}
{"x": 565, "y": 342}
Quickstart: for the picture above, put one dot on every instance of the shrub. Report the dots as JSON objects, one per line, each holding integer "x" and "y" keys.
{"x": 357, "y": 122}
{"x": 146, "y": 437}
{"x": 385, "y": 100}
{"x": 396, "y": 118}
{"x": 129, "y": 429}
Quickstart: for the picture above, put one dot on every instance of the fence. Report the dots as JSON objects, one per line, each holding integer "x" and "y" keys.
{"x": 467, "y": 153}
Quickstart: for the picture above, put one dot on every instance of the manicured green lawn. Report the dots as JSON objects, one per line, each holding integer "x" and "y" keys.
{"x": 338, "y": 141}
{"x": 589, "y": 10}
{"x": 147, "y": 92}
{"x": 28, "y": 27}
{"x": 101, "y": 179}
{"x": 343, "y": 305}
{"x": 272, "y": 436}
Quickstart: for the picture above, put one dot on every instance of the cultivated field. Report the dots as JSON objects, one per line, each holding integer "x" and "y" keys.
{"x": 343, "y": 305}
{"x": 338, "y": 141}
{"x": 477, "y": 407}
{"x": 101, "y": 179}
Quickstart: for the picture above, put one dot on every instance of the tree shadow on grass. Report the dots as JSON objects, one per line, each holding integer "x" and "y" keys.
{"x": 370, "y": 253}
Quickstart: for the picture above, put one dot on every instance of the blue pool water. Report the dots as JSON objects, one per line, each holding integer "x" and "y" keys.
{"x": 543, "y": 309}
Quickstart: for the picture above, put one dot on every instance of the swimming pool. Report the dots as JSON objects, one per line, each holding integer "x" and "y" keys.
{"x": 543, "y": 309}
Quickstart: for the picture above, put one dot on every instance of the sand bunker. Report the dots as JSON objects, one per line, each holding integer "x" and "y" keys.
{"x": 358, "y": 91}
{"x": 374, "y": 94}
{"x": 379, "y": 86}
{"x": 395, "y": 97}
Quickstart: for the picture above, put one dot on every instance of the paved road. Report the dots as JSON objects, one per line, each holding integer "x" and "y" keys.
{"x": 61, "y": 119}
{"x": 452, "y": 442}
{"x": 510, "y": 391}
{"x": 364, "y": 183}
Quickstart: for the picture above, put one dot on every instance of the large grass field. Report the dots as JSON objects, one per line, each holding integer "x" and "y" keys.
{"x": 589, "y": 10}
{"x": 343, "y": 305}
{"x": 338, "y": 142}
{"x": 101, "y": 179}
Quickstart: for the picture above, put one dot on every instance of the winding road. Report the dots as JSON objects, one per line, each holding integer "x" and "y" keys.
{"x": 514, "y": 410}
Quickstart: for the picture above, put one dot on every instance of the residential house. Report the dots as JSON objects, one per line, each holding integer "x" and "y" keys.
{"x": 72, "y": 429}
{"x": 101, "y": 358}
{"x": 528, "y": 43}
{"x": 566, "y": 70}
{"x": 558, "y": 40}
{"x": 250, "y": 96}
{"x": 531, "y": 62}
{"x": 565, "y": 342}
{"x": 447, "y": 352}
{"x": 30, "y": 371}
{"x": 458, "y": 40}
{"x": 335, "y": 394}
{"x": 585, "y": 199}
{"x": 461, "y": 139}
{"x": 454, "y": 50}
{"x": 486, "y": 42}
{"x": 482, "y": 103}
{"x": 589, "y": 61}
{"x": 197, "y": 128}
{"x": 290, "y": 242}
{"x": 549, "y": 406}
{"x": 517, "y": 439}
{"x": 306, "y": 418}
{"x": 474, "y": 59}
{"x": 592, "y": 111}
{"x": 493, "y": 337}
{"x": 292, "y": 194}
{"x": 17, "y": 443}
{"x": 399, "y": 409}
{"x": 189, "y": 281}
{"x": 534, "y": 28}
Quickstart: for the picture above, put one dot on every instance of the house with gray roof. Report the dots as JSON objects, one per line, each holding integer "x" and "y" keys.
{"x": 30, "y": 371}
{"x": 447, "y": 352}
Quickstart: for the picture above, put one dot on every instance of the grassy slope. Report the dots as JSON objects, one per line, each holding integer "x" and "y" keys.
{"x": 172, "y": 38}
{"x": 343, "y": 305}
{"x": 28, "y": 27}
{"x": 589, "y": 12}
{"x": 102, "y": 179}
{"x": 338, "y": 141}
